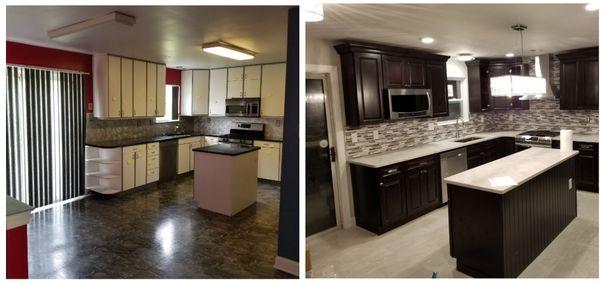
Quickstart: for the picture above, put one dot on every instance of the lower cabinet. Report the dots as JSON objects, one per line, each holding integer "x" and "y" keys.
{"x": 483, "y": 152}
{"x": 152, "y": 162}
{"x": 185, "y": 155}
{"x": 134, "y": 166}
{"x": 385, "y": 198}
{"x": 269, "y": 160}
{"x": 586, "y": 166}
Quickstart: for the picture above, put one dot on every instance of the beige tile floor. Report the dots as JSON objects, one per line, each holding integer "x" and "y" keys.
{"x": 420, "y": 247}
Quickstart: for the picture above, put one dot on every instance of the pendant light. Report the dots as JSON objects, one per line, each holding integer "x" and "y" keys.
{"x": 518, "y": 85}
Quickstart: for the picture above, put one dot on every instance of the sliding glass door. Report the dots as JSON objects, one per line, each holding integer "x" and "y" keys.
{"x": 45, "y": 135}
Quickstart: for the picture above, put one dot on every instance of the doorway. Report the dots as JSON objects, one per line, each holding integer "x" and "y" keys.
{"x": 321, "y": 209}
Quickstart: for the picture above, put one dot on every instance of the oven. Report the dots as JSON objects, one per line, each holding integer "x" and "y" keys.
{"x": 242, "y": 107}
{"x": 401, "y": 103}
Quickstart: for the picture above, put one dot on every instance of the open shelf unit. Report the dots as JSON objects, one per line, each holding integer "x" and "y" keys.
{"x": 103, "y": 169}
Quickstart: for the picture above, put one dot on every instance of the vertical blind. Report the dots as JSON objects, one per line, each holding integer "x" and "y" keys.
{"x": 45, "y": 135}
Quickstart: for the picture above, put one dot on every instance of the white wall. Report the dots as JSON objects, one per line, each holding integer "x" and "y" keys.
{"x": 458, "y": 70}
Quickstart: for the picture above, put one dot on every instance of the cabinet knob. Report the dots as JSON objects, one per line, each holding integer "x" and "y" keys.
{"x": 423, "y": 171}
{"x": 381, "y": 183}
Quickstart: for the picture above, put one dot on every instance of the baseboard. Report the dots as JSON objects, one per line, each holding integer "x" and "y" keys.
{"x": 287, "y": 265}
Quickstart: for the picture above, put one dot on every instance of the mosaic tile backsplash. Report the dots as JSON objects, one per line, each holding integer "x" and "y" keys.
{"x": 221, "y": 125}
{"x": 542, "y": 115}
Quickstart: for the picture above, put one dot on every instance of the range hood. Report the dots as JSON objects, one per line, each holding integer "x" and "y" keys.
{"x": 542, "y": 70}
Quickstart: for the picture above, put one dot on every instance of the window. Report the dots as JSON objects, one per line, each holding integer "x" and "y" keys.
{"x": 456, "y": 103}
{"x": 171, "y": 105}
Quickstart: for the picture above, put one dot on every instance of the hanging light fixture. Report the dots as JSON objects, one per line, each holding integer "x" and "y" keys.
{"x": 518, "y": 85}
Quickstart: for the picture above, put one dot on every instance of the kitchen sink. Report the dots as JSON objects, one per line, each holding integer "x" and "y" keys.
{"x": 468, "y": 139}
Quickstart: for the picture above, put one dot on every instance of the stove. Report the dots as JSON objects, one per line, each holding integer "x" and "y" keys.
{"x": 536, "y": 138}
{"x": 244, "y": 133}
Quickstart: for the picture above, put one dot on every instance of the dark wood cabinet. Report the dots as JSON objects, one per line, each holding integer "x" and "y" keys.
{"x": 436, "y": 73}
{"x": 586, "y": 166}
{"x": 506, "y": 146}
{"x": 579, "y": 79}
{"x": 488, "y": 151}
{"x": 422, "y": 184}
{"x": 367, "y": 69}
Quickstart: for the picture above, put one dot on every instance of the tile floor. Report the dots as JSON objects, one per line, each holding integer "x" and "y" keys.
{"x": 155, "y": 233}
{"x": 420, "y": 247}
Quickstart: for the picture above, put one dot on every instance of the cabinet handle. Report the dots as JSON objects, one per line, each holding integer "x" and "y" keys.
{"x": 423, "y": 171}
{"x": 381, "y": 184}
{"x": 392, "y": 171}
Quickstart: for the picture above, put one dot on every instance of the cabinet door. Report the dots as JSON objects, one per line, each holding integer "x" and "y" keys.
{"x": 272, "y": 90}
{"x": 416, "y": 73}
{"x": 269, "y": 160}
{"x": 128, "y": 167}
{"x": 235, "y": 82}
{"x": 217, "y": 92}
{"x": 587, "y": 93}
{"x": 393, "y": 70}
{"x": 414, "y": 186}
{"x": 126, "y": 87}
{"x": 161, "y": 77}
{"x": 191, "y": 153}
{"x": 393, "y": 202}
{"x": 430, "y": 176}
{"x": 252, "y": 76}
{"x": 200, "y": 92}
{"x": 186, "y": 92}
{"x": 438, "y": 85}
{"x": 114, "y": 86}
{"x": 140, "y": 165}
{"x": 139, "y": 88}
{"x": 151, "y": 90}
{"x": 586, "y": 167}
{"x": 183, "y": 158}
{"x": 369, "y": 87}
{"x": 496, "y": 70}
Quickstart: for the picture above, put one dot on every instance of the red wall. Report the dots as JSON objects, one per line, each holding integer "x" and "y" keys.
{"x": 173, "y": 77}
{"x": 30, "y": 55}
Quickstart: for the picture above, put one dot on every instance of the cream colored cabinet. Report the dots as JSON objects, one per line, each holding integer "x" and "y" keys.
{"x": 151, "y": 89}
{"x": 235, "y": 82}
{"x": 185, "y": 155}
{"x": 193, "y": 145}
{"x": 114, "y": 86}
{"x": 161, "y": 77}
{"x": 139, "y": 88}
{"x": 269, "y": 160}
{"x": 152, "y": 162}
{"x": 210, "y": 140}
{"x": 217, "y": 92}
{"x": 194, "y": 92}
{"x": 252, "y": 76}
{"x": 273, "y": 90}
{"x": 107, "y": 86}
{"x": 134, "y": 166}
{"x": 126, "y": 87}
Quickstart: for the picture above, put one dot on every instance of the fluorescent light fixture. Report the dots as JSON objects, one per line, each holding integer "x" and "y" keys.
{"x": 509, "y": 55}
{"x": 225, "y": 49}
{"x": 314, "y": 12}
{"x": 427, "y": 40}
{"x": 116, "y": 17}
{"x": 592, "y": 6}
{"x": 465, "y": 57}
{"x": 510, "y": 85}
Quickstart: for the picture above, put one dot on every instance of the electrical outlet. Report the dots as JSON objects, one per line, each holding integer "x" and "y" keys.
{"x": 431, "y": 126}
{"x": 375, "y": 134}
{"x": 354, "y": 137}
{"x": 482, "y": 119}
{"x": 570, "y": 183}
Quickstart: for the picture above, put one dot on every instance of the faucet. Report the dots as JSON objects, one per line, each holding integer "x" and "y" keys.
{"x": 462, "y": 124}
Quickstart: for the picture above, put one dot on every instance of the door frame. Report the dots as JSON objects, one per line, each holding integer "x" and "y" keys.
{"x": 340, "y": 169}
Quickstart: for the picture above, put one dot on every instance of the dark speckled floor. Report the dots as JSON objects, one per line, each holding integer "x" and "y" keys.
{"x": 155, "y": 233}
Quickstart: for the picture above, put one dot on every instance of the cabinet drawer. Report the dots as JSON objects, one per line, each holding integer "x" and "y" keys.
{"x": 266, "y": 144}
{"x": 152, "y": 146}
{"x": 152, "y": 152}
{"x": 421, "y": 162}
{"x": 189, "y": 140}
{"x": 585, "y": 146}
{"x": 389, "y": 172}
{"x": 152, "y": 161}
{"x": 152, "y": 175}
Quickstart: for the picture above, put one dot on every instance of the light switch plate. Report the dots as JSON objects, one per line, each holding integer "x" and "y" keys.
{"x": 570, "y": 183}
{"x": 375, "y": 134}
{"x": 354, "y": 137}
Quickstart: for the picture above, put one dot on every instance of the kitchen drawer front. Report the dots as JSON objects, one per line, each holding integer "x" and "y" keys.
{"x": 584, "y": 146}
{"x": 189, "y": 140}
{"x": 267, "y": 144}
{"x": 422, "y": 162}
{"x": 389, "y": 174}
{"x": 152, "y": 146}
{"x": 153, "y": 161}
{"x": 152, "y": 152}
{"x": 152, "y": 175}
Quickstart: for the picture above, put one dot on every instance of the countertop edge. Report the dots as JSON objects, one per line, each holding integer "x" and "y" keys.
{"x": 248, "y": 150}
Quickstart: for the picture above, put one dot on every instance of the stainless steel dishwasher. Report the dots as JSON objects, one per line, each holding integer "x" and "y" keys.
{"x": 168, "y": 160}
{"x": 452, "y": 162}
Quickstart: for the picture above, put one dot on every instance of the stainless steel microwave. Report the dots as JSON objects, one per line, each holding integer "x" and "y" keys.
{"x": 242, "y": 107}
{"x": 403, "y": 103}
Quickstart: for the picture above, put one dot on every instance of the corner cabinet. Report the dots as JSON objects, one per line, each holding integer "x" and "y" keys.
{"x": 579, "y": 79}
{"x": 217, "y": 92}
{"x": 368, "y": 69}
{"x": 272, "y": 90}
{"x": 128, "y": 88}
{"x": 269, "y": 160}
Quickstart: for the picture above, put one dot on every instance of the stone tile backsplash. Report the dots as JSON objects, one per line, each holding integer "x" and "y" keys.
{"x": 221, "y": 125}
{"x": 542, "y": 115}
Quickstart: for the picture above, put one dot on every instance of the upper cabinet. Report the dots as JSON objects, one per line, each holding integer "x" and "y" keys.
{"x": 244, "y": 82}
{"x": 217, "y": 92}
{"x": 579, "y": 79}
{"x": 272, "y": 90}
{"x": 126, "y": 88}
{"x": 235, "y": 82}
{"x": 194, "y": 92}
{"x": 368, "y": 69}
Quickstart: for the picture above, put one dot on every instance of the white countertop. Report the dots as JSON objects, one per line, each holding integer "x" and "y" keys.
{"x": 504, "y": 174}
{"x": 409, "y": 153}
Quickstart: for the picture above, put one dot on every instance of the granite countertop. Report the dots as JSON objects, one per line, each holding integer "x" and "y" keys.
{"x": 143, "y": 140}
{"x": 409, "y": 153}
{"x": 504, "y": 174}
{"x": 227, "y": 149}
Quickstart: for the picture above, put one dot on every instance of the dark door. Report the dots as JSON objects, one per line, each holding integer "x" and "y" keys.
{"x": 486, "y": 102}
{"x": 369, "y": 88}
{"x": 393, "y": 69}
{"x": 438, "y": 85}
{"x": 393, "y": 206}
{"x": 320, "y": 203}
{"x": 416, "y": 74}
{"x": 568, "y": 85}
{"x": 588, "y": 92}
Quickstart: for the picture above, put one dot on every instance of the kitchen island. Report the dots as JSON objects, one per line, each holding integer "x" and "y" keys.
{"x": 225, "y": 177}
{"x": 503, "y": 214}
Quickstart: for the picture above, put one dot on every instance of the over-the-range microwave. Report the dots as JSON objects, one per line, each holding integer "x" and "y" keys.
{"x": 401, "y": 103}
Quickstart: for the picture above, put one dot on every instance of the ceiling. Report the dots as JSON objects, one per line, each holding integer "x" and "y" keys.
{"x": 481, "y": 29}
{"x": 170, "y": 34}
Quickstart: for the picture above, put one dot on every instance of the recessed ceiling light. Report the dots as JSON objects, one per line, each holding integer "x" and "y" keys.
{"x": 314, "y": 12}
{"x": 225, "y": 49}
{"x": 465, "y": 57}
{"x": 510, "y": 55}
{"x": 592, "y": 6}
{"x": 427, "y": 40}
